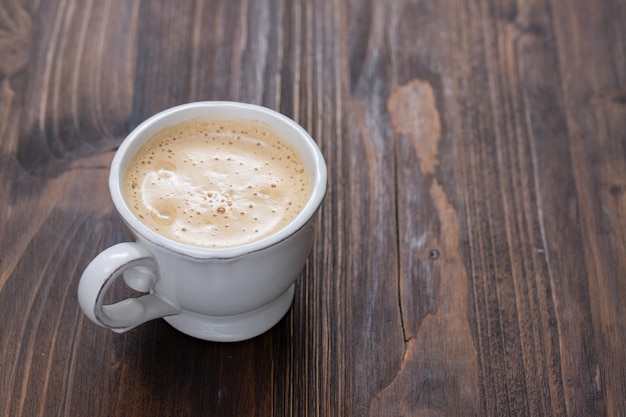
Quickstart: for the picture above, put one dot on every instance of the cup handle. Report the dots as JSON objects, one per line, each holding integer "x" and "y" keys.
{"x": 139, "y": 269}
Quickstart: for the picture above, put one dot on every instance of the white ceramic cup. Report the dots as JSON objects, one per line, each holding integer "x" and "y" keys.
{"x": 223, "y": 294}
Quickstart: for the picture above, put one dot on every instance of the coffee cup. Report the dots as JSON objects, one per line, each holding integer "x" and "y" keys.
{"x": 212, "y": 289}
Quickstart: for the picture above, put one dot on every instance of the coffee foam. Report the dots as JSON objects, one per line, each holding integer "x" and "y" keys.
{"x": 216, "y": 183}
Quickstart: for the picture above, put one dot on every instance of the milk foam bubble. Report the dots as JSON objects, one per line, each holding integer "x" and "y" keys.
{"x": 216, "y": 183}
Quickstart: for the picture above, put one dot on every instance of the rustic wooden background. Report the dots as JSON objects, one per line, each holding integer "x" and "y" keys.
{"x": 471, "y": 257}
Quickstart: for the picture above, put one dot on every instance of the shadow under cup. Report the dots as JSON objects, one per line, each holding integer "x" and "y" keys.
{"x": 220, "y": 294}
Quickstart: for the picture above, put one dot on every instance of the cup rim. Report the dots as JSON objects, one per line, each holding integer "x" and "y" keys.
{"x": 144, "y": 131}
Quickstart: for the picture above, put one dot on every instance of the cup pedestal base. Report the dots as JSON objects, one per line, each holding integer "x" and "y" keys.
{"x": 233, "y": 328}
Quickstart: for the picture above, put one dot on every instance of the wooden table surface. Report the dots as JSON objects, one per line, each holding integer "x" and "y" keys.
{"x": 471, "y": 250}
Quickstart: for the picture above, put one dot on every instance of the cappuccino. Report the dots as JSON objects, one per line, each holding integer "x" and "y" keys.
{"x": 216, "y": 183}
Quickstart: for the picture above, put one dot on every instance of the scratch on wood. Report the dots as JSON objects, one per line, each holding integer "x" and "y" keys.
{"x": 413, "y": 112}
{"x": 6, "y": 98}
{"x": 439, "y": 355}
{"x": 15, "y": 39}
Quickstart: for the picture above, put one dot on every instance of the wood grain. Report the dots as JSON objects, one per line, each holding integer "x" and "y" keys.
{"x": 471, "y": 250}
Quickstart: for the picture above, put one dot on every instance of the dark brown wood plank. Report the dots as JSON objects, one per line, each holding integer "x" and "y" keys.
{"x": 471, "y": 256}
{"x": 592, "y": 37}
